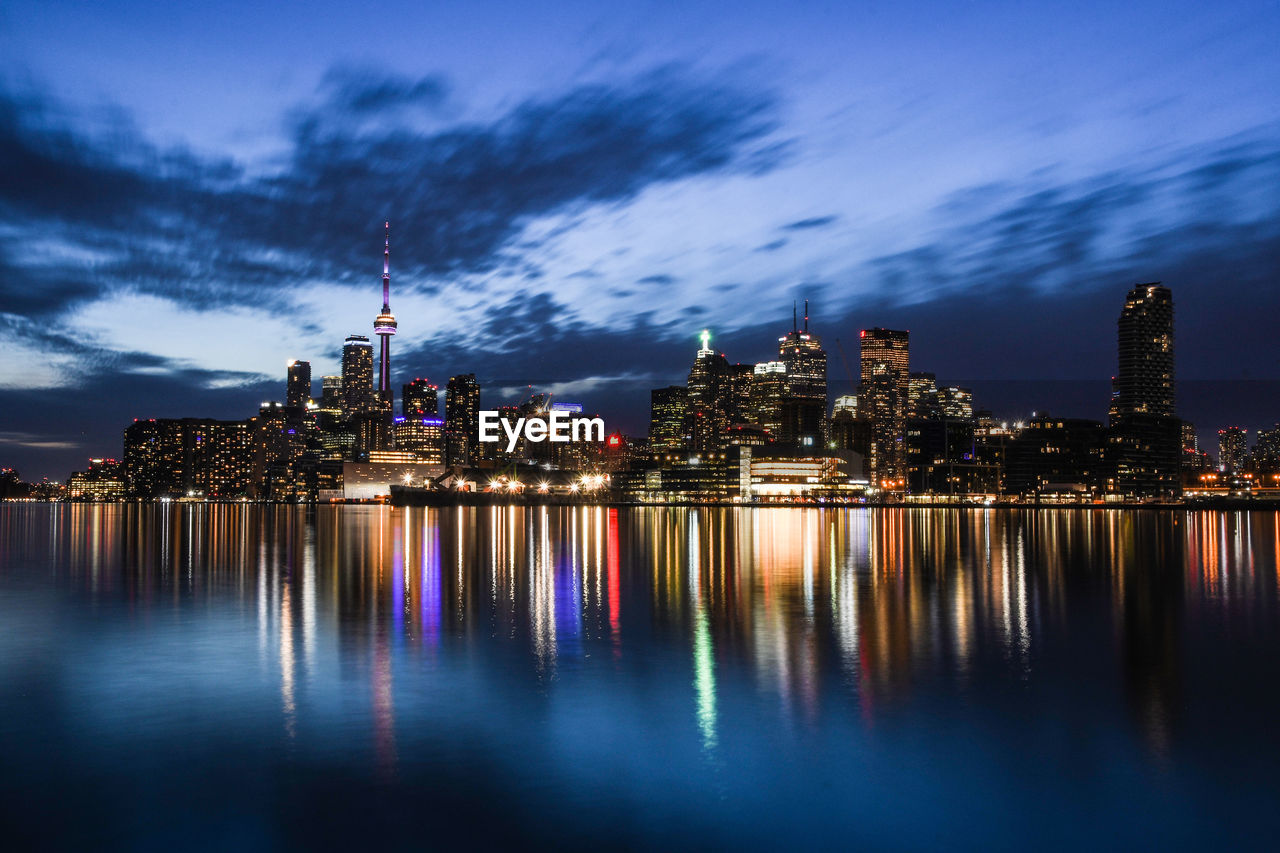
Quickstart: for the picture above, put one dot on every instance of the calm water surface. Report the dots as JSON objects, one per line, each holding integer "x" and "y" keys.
{"x": 230, "y": 677}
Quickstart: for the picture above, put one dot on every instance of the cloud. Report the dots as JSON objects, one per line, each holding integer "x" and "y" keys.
{"x": 772, "y": 245}
{"x": 661, "y": 279}
{"x": 32, "y": 441}
{"x": 206, "y": 233}
{"x": 367, "y": 90}
{"x": 813, "y": 222}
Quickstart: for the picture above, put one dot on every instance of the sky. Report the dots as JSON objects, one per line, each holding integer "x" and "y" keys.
{"x": 191, "y": 196}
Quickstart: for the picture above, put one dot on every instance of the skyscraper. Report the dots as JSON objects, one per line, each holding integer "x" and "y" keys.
{"x": 384, "y": 326}
{"x": 298, "y": 391}
{"x": 462, "y": 420}
{"x": 806, "y": 361}
{"x": 1233, "y": 449}
{"x": 956, "y": 402}
{"x": 769, "y": 388}
{"x": 883, "y": 400}
{"x": 922, "y": 396}
{"x": 420, "y": 399}
{"x": 357, "y": 376}
{"x": 668, "y": 418}
{"x": 1144, "y": 383}
{"x": 1144, "y": 443}
{"x": 709, "y": 391}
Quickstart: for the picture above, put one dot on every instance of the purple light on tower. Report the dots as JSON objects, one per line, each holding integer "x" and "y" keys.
{"x": 384, "y": 325}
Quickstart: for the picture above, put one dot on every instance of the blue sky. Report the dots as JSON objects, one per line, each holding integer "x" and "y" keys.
{"x": 195, "y": 195}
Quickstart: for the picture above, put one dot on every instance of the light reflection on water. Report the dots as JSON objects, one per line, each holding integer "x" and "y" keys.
{"x": 894, "y": 676}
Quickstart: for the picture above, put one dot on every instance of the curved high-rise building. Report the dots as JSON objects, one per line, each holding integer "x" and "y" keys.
{"x": 1144, "y": 382}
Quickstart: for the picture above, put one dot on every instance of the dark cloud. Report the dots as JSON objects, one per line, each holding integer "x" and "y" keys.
{"x": 812, "y": 222}
{"x": 130, "y": 215}
{"x": 661, "y": 279}
{"x": 773, "y": 245}
{"x": 371, "y": 90}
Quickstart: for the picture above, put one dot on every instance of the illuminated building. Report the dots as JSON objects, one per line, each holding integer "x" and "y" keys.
{"x": 1266, "y": 451}
{"x": 1192, "y": 458}
{"x": 462, "y": 420}
{"x": 298, "y": 390}
{"x": 1144, "y": 383}
{"x": 845, "y": 403}
{"x": 373, "y": 480}
{"x": 990, "y": 445}
{"x": 279, "y": 448}
{"x": 956, "y": 402}
{"x": 384, "y": 326}
{"x": 420, "y": 399}
{"x": 103, "y": 481}
{"x": 922, "y": 396}
{"x": 769, "y": 386}
{"x": 943, "y": 459}
{"x": 421, "y": 436}
{"x": 222, "y": 455}
{"x": 1190, "y": 441}
{"x": 331, "y": 395}
{"x": 708, "y": 397}
{"x": 882, "y": 399}
{"x": 1055, "y": 456}
{"x": 738, "y": 403}
{"x": 179, "y": 457}
{"x": 668, "y": 418}
{"x": 357, "y": 376}
{"x": 806, "y": 361}
{"x": 1233, "y": 449}
{"x": 1145, "y": 440}
{"x": 744, "y": 472}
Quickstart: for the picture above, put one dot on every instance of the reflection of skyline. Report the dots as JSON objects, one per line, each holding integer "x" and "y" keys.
{"x": 813, "y": 604}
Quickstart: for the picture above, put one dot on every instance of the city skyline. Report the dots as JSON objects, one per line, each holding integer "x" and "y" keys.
{"x": 176, "y": 229}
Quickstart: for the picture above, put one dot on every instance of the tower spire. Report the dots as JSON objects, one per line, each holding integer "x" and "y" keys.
{"x": 386, "y": 269}
{"x": 806, "y": 315}
{"x": 384, "y": 325}
{"x": 793, "y": 315}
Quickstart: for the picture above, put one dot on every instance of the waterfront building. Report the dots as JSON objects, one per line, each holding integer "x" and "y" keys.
{"x": 668, "y": 418}
{"x": 420, "y": 399}
{"x": 102, "y": 481}
{"x": 708, "y": 395}
{"x": 882, "y": 399}
{"x": 422, "y": 436}
{"x": 1265, "y": 459}
{"x": 1055, "y": 456}
{"x": 1145, "y": 437}
{"x": 462, "y": 420}
{"x": 1233, "y": 449}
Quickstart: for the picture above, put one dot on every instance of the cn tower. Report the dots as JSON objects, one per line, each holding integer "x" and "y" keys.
{"x": 384, "y": 326}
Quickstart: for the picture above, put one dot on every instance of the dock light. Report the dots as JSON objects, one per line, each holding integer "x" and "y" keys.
{"x": 543, "y": 486}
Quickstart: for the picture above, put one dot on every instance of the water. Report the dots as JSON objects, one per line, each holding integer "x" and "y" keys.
{"x": 245, "y": 677}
